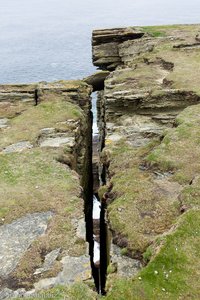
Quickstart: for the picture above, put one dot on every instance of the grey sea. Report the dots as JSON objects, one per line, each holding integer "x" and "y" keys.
{"x": 51, "y": 39}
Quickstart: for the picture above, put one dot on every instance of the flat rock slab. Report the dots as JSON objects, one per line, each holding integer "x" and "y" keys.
{"x": 74, "y": 269}
{"x": 17, "y": 237}
{"x": 18, "y": 147}
{"x": 3, "y": 123}
{"x": 126, "y": 266}
{"x": 50, "y": 258}
{"x": 56, "y": 142}
{"x": 166, "y": 187}
{"x": 10, "y": 294}
{"x": 80, "y": 231}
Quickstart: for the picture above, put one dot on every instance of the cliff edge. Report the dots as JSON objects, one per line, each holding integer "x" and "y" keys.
{"x": 149, "y": 114}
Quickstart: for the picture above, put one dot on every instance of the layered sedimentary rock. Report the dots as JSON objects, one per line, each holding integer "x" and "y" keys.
{"x": 149, "y": 112}
{"x": 97, "y": 80}
{"x": 148, "y": 117}
{"x": 45, "y": 141}
{"x": 105, "y": 45}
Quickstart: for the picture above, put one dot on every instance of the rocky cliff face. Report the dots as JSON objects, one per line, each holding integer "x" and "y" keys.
{"x": 148, "y": 117}
{"x": 45, "y": 135}
{"x": 149, "y": 110}
{"x": 105, "y": 45}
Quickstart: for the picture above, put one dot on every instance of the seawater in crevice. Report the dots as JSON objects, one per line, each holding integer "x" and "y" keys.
{"x": 99, "y": 256}
{"x": 104, "y": 248}
{"x": 96, "y": 238}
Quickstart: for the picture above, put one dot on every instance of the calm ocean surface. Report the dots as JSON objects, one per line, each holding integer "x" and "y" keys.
{"x": 51, "y": 39}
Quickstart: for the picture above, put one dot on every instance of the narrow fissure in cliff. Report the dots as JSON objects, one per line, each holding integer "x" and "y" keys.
{"x": 96, "y": 228}
{"x": 105, "y": 236}
{"x": 36, "y": 97}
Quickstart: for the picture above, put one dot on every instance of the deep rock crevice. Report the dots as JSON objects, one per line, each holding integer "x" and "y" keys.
{"x": 145, "y": 171}
{"x": 141, "y": 100}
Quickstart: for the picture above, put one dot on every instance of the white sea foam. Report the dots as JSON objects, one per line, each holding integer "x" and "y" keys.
{"x": 96, "y": 209}
{"x": 96, "y": 257}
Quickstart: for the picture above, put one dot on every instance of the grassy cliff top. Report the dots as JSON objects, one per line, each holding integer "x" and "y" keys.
{"x": 38, "y": 146}
{"x": 152, "y": 156}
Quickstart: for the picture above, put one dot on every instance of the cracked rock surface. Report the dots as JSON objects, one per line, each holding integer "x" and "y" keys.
{"x": 17, "y": 237}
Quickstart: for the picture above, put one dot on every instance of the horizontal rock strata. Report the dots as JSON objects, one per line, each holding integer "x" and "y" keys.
{"x": 44, "y": 134}
{"x": 148, "y": 112}
{"x": 105, "y": 44}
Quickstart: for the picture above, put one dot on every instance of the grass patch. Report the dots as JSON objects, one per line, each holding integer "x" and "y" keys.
{"x": 138, "y": 78}
{"x": 26, "y": 127}
{"x": 3, "y": 212}
{"x": 146, "y": 206}
{"x": 173, "y": 273}
{"x": 34, "y": 181}
{"x": 147, "y": 209}
{"x": 147, "y": 254}
{"x": 167, "y": 30}
{"x": 179, "y": 150}
{"x": 124, "y": 251}
{"x": 155, "y": 31}
{"x": 190, "y": 195}
{"x": 77, "y": 291}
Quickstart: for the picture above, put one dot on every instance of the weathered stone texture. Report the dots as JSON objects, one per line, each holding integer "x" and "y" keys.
{"x": 105, "y": 45}
{"x": 44, "y": 133}
{"x": 17, "y": 237}
{"x": 97, "y": 80}
{"x": 153, "y": 79}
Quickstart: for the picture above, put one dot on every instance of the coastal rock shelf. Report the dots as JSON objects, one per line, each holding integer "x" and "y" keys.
{"x": 45, "y": 159}
{"x": 149, "y": 118}
{"x": 146, "y": 166}
{"x": 105, "y": 44}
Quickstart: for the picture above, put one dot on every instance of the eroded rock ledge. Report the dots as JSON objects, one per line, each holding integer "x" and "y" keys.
{"x": 105, "y": 45}
{"x": 45, "y": 141}
{"x": 149, "y": 115}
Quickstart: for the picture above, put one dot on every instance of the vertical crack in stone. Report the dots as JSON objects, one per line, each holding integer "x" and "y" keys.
{"x": 100, "y": 254}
